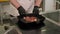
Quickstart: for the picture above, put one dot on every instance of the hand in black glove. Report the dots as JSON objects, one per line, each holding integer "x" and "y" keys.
{"x": 36, "y": 10}
{"x": 21, "y": 10}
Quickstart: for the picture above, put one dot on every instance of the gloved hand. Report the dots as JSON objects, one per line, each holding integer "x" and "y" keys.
{"x": 21, "y": 10}
{"x": 36, "y": 10}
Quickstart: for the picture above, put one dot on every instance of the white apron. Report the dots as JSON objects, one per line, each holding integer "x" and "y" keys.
{"x": 28, "y": 5}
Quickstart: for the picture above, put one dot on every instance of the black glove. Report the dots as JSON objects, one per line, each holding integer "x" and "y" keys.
{"x": 21, "y": 10}
{"x": 36, "y": 10}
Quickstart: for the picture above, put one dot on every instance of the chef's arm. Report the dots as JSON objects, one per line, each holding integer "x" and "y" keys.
{"x": 38, "y": 2}
{"x": 15, "y": 3}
